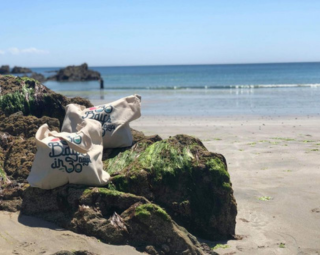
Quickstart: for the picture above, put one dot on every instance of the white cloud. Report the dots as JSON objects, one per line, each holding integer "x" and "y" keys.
{"x": 17, "y": 51}
{"x": 34, "y": 50}
{"x": 2, "y": 52}
{"x": 14, "y": 51}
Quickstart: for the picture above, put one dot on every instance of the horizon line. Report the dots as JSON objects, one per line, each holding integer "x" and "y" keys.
{"x": 155, "y": 65}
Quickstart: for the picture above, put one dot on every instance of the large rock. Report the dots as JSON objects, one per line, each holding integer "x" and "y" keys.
{"x": 76, "y": 73}
{"x": 181, "y": 175}
{"x": 4, "y": 70}
{"x": 18, "y": 69}
{"x": 32, "y": 98}
{"x": 161, "y": 194}
{"x": 112, "y": 216}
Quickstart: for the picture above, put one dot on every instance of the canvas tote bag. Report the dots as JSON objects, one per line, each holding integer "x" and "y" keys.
{"x": 114, "y": 118}
{"x": 63, "y": 158}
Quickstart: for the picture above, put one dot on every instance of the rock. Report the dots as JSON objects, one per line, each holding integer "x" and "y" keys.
{"x": 26, "y": 126}
{"x": 76, "y": 73}
{"x": 19, "y": 158}
{"x": 18, "y": 69}
{"x": 38, "y": 76}
{"x": 112, "y": 216}
{"x": 32, "y": 98}
{"x": 74, "y": 253}
{"x": 81, "y": 101}
{"x": 4, "y": 70}
{"x": 191, "y": 183}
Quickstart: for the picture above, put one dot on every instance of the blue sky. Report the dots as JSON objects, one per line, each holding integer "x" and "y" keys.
{"x": 136, "y": 32}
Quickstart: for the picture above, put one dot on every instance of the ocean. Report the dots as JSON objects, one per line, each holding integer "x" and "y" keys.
{"x": 282, "y": 89}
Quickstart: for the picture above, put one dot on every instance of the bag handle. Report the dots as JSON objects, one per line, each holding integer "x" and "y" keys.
{"x": 83, "y": 146}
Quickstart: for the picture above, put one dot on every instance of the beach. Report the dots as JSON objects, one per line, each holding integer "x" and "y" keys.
{"x": 274, "y": 167}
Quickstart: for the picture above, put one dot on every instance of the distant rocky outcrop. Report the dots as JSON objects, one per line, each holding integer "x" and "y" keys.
{"x": 76, "y": 73}
{"x": 4, "y": 70}
{"x": 18, "y": 69}
{"x": 161, "y": 192}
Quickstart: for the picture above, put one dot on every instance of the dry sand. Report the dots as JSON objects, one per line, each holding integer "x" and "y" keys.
{"x": 24, "y": 235}
{"x": 268, "y": 158}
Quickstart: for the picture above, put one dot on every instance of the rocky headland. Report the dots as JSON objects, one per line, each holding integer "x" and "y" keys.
{"x": 18, "y": 69}
{"x": 5, "y": 69}
{"x": 162, "y": 196}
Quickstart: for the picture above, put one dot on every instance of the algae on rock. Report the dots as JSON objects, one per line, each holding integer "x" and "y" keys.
{"x": 179, "y": 174}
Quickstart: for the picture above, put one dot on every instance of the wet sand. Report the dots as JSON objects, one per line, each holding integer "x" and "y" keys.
{"x": 274, "y": 164}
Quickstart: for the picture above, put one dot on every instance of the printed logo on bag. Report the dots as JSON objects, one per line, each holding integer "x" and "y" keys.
{"x": 102, "y": 114}
{"x": 65, "y": 158}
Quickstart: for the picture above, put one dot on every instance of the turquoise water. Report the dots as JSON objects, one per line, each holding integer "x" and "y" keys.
{"x": 206, "y": 90}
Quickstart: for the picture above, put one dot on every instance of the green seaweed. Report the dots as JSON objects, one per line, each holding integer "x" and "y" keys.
{"x": 264, "y": 198}
{"x": 221, "y": 246}
{"x": 283, "y": 139}
{"x": 162, "y": 158}
{"x": 144, "y": 211}
{"x": 120, "y": 182}
{"x": 110, "y": 192}
{"x": 87, "y": 192}
{"x": 120, "y": 162}
{"x": 218, "y": 170}
{"x": 18, "y": 101}
{"x": 2, "y": 173}
{"x": 282, "y": 245}
{"x": 105, "y": 191}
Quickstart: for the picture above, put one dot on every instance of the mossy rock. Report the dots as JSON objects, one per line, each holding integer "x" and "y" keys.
{"x": 111, "y": 216}
{"x": 19, "y": 158}
{"x": 179, "y": 174}
{"x": 32, "y": 98}
{"x": 26, "y": 126}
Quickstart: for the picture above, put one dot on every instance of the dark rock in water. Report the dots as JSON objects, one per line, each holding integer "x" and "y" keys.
{"x": 4, "y": 70}
{"x": 18, "y": 69}
{"x": 76, "y": 73}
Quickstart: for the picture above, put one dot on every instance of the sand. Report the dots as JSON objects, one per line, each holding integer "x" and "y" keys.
{"x": 273, "y": 159}
{"x": 25, "y": 235}
{"x": 274, "y": 165}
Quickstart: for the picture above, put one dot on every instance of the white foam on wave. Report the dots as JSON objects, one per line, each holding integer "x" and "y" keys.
{"x": 315, "y": 85}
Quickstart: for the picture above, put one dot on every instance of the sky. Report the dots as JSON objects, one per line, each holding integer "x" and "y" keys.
{"x": 167, "y": 32}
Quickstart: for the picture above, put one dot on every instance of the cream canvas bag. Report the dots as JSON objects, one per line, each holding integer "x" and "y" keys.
{"x": 63, "y": 158}
{"x": 114, "y": 118}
